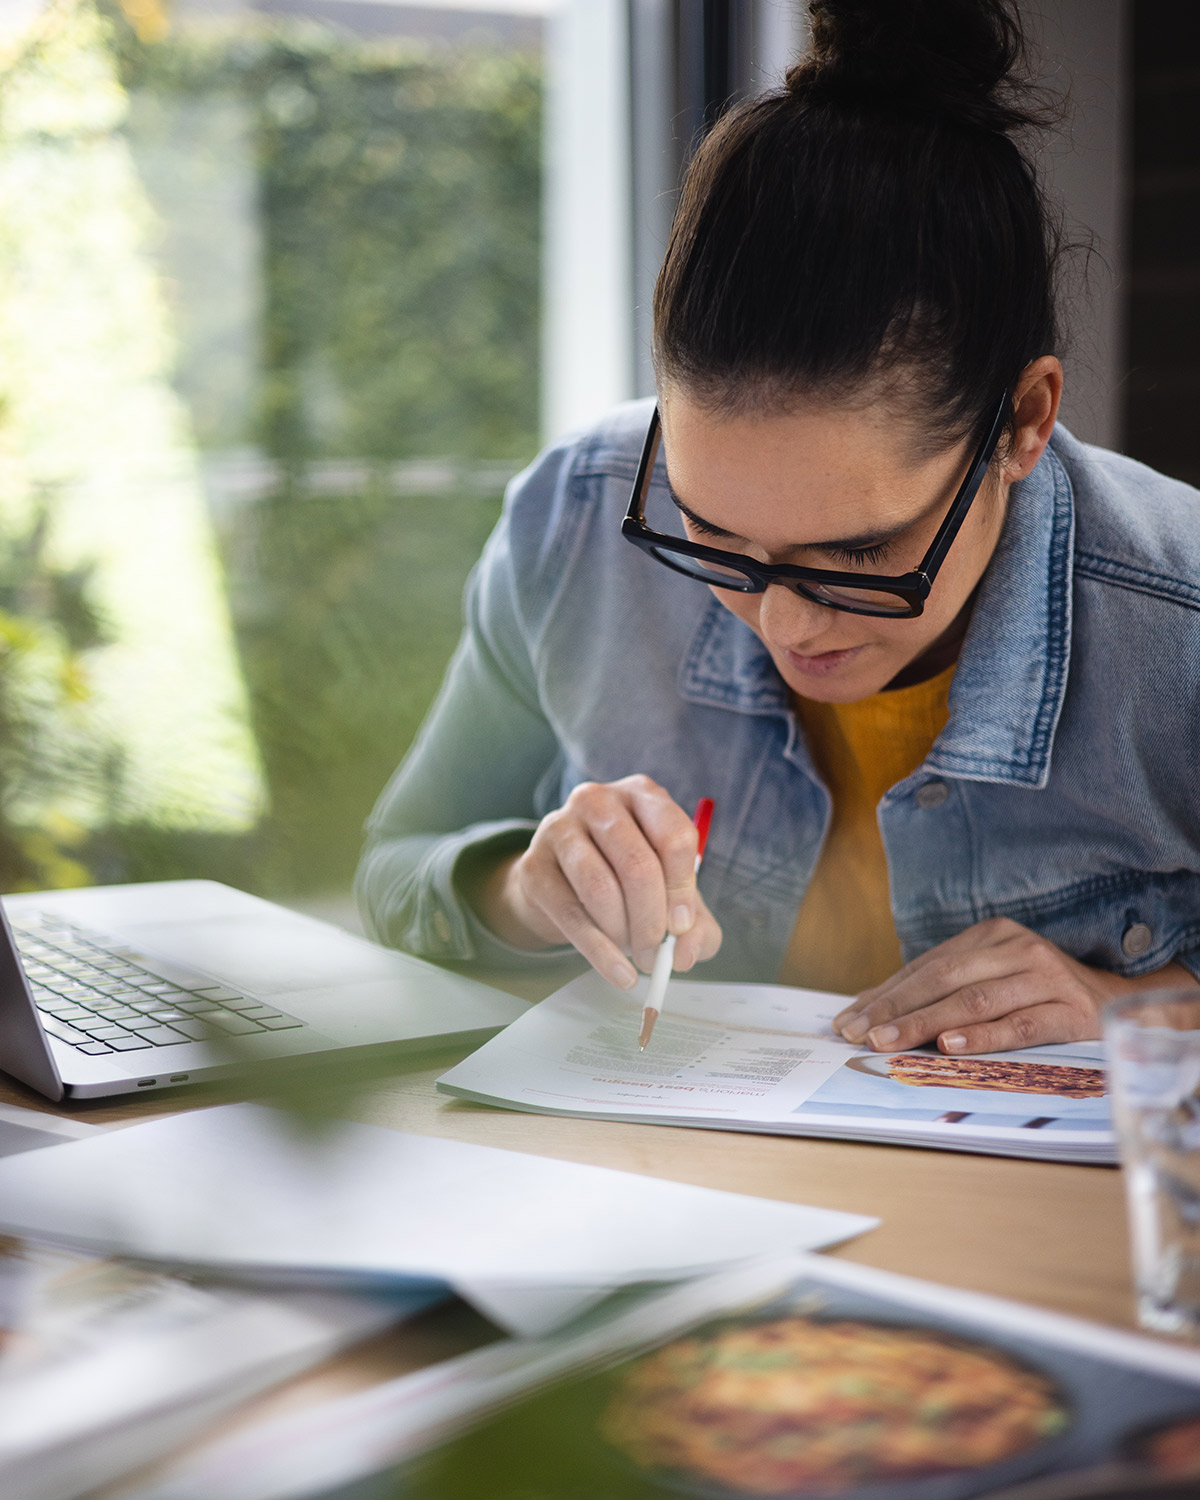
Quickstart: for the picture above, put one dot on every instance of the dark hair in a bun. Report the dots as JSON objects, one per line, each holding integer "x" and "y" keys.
{"x": 954, "y": 58}
{"x": 875, "y": 217}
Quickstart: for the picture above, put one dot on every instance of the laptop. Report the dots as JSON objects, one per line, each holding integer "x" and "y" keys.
{"x": 130, "y": 988}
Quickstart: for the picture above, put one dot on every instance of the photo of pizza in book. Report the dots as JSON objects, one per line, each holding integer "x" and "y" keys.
{"x": 923, "y": 1070}
{"x": 804, "y": 1405}
{"x": 1171, "y": 1451}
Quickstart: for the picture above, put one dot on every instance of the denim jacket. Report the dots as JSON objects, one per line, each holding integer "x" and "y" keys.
{"x": 1064, "y": 791}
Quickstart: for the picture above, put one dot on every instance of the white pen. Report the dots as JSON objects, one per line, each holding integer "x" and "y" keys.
{"x": 664, "y": 960}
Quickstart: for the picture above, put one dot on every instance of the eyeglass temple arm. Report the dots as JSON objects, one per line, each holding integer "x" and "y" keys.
{"x": 637, "y": 507}
{"x": 949, "y": 528}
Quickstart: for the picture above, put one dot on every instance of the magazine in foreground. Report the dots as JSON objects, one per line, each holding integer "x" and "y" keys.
{"x": 795, "y": 1378}
{"x": 105, "y": 1364}
{"x": 765, "y": 1058}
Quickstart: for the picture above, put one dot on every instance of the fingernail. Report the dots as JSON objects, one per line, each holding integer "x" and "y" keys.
{"x": 953, "y": 1041}
{"x": 645, "y": 959}
{"x": 681, "y": 920}
{"x": 855, "y": 1027}
{"x": 884, "y": 1036}
{"x": 624, "y": 976}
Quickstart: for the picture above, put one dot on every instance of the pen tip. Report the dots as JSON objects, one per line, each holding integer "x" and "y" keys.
{"x": 649, "y": 1016}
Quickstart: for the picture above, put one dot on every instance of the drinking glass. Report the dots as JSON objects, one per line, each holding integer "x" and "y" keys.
{"x": 1153, "y": 1042}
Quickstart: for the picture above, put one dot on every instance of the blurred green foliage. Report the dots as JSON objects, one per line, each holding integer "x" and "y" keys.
{"x": 398, "y": 189}
{"x": 396, "y": 194}
{"x": 47, "y": 622}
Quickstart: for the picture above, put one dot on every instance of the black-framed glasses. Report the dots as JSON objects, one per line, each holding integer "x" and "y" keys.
{"x": 855, "y": 593}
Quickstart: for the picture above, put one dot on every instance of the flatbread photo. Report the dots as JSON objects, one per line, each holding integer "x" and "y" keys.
{"x": 922, "y": 1070}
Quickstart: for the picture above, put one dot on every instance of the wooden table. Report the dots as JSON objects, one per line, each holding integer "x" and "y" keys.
{"x": 1043, "y": 1233}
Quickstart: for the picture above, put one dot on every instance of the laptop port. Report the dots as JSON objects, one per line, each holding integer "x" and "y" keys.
{"x": 145, "y": 1083}
{"x": 179, "y": 1077}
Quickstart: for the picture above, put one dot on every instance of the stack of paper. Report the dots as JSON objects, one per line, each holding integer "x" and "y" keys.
{"x": 104, "y": 1365}
{"x": 30, "y": 1130}
{"x": 529, "y": 1241}
{"x": 765, "y": 1058}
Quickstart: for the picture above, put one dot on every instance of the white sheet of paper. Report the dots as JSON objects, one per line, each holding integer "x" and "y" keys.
{"x": 743, "y": 1052}
{"x": 530, "y": 1240}
{"x": 31, "y": 1129}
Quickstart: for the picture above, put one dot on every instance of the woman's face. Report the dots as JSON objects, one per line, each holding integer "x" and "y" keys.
{"x": 844, "y": 487}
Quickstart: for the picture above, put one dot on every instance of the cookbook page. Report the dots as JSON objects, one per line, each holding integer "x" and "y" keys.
{"x": 802, "y": 1377}
{"x": 847, "y": 1385}
{"x": 721, "y": 1051}
{"x": 765, "y": 1055}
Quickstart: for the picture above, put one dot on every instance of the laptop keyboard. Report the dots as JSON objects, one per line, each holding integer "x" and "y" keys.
{"x": 95, "y": 993}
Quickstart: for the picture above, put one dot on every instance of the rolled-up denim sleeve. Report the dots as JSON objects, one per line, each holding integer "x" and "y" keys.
{"x": 466, "y": 789}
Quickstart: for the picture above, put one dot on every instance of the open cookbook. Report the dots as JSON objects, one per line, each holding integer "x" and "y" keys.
{"x": 765, "y": 1058}
{"x": 793, "y": 1378}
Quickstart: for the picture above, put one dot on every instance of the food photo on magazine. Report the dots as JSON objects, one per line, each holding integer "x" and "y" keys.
{"x": 802, "y": 1379}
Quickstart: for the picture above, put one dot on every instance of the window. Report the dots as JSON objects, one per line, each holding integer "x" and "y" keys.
{"x": 269, "y": 318}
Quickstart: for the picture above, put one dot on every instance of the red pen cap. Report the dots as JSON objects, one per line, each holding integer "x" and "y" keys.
{"x": 704, "y": 812}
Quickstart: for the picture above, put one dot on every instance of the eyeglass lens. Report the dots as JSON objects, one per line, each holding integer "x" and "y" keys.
{"x": 663, "y": 516}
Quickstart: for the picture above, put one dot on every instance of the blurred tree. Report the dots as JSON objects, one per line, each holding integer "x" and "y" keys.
{"x": 49, "y": 762}
{"x": 398, "y": 195}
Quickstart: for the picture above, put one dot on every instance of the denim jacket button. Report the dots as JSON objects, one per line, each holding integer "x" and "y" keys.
{"x": 932, "y": 794}
{"x": 1136, "y": 939}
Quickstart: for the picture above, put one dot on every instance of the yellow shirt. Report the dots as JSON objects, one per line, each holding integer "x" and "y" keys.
{"x": 845, "y": 939}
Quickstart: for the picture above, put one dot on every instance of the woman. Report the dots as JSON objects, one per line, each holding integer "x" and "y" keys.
{"x": 935, "y": 660}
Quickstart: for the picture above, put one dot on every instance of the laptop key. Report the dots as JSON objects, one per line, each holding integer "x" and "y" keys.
{"x": 234, "y": 1025}
{"x": 128, "y": 1043}
{"x": 280, "y": 1023}
{"x": 198, "y": 1031}
{"x": 93, "y": 1049}
{"x": 63, "y": 1032}
{"x": 159, "y": 1036}
{"x": 216, "y": 992}
{"x": 160, "y": 971}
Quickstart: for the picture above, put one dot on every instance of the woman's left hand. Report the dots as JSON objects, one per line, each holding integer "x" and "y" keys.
{"x": 993, "y": 988}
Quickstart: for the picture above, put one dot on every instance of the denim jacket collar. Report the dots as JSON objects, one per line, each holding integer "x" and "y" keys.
{"x": 1008, "y": 690}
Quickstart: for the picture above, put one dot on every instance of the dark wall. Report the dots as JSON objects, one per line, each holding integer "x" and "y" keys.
{"x": 1163, "y": 402}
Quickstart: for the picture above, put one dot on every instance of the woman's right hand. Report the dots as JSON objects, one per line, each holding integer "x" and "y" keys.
{"x": 611, "y": 872}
